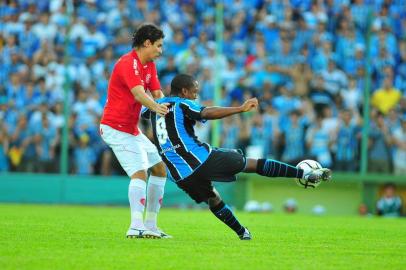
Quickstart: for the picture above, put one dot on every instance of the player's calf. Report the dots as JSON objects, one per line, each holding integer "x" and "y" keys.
{"x": 274, "y": 168}
{"x": 226, "y": 215}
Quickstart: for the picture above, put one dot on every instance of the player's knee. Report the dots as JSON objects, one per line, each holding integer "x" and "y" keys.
{"x": 159, "y": 170}
{"x": 251, "y": 165}
{"x": 142, "y": 174}
{"x": 214, "y": 201}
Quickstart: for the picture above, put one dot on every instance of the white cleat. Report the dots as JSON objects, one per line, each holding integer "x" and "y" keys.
{"x": 317, "y": 175}
{"x": 163, "y": 234}
{"x": 137, "y": 233}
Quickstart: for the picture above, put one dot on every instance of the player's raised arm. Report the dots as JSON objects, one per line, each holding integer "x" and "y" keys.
{"x": 140, "y": 95}
{"x": 221, "y": 112}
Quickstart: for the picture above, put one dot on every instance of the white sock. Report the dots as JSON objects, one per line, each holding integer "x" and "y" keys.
{"x": 155, "y": 193}
{"x": 136, "y": 196}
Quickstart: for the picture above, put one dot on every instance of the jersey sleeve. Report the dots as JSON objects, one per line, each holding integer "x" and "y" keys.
{"x": 192, "y": 110}
{"x": 154, "y": 84}
{"x": 130, "y": 75}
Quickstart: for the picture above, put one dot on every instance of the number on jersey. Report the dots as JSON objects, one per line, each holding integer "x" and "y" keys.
{"x": 161, "y": 132}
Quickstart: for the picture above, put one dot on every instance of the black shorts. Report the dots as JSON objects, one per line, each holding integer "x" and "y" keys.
{"x": 221, "y": 166}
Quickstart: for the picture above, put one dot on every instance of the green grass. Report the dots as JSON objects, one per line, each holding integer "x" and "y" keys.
{"x": 79, "y": 237}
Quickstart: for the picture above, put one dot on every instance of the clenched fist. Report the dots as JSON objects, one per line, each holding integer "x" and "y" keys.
{"x": 249, "y": 105}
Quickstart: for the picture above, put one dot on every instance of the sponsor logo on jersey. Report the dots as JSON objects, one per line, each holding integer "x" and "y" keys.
{"x": 135, "y": 66}
{"x": 148, "y": 78}
{"x": 172, "y": 148}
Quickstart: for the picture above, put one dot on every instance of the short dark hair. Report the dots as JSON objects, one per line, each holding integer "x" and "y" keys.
{"x": 181, "y": 81}
{"x": 389, "y": 185}
{"x": 146, "y": 31}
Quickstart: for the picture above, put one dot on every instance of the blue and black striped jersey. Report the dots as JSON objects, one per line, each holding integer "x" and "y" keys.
{"x": 175, "y": 138}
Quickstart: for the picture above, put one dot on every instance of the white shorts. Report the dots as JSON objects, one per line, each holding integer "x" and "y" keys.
{"x": 134, "y": 153}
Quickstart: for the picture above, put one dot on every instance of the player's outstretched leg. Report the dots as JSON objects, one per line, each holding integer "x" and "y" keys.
{"x": 224, "y": 213}
{"x": 275, "y": 168}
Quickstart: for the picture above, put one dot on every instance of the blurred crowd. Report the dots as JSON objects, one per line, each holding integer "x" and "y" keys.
{"x": 306, "y": 61}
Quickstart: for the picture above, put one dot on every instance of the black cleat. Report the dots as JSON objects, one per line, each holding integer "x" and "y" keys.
{"x": 246, "y": 235}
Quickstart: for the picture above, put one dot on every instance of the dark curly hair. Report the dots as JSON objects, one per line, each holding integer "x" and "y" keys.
{"x": 181, "y": 81}
{"x": 145, "y": 32}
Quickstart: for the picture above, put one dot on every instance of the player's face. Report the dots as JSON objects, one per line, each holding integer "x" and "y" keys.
{"x": 192, "y": 92}
{"x": 155, "y": 49}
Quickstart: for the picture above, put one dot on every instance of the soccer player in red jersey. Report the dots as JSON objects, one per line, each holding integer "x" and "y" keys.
{"x": 134, "y": 74}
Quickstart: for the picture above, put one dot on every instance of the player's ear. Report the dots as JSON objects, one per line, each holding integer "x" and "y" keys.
{"x": 147, "y": 43}
{"x": 184, "y": 92}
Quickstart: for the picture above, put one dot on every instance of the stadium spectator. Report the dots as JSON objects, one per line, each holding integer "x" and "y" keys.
{"x": 382, "y": 62}
{"x": 319, "y": 95}
{"x": 29, "y": 42}
{"x": 46, "y": 140}
{"x": 168, "y": 72}
{"x": 351, "y": 95}
{"x": 334, "y": 79}
{"x": 208, "y": 86}
{"x": 230, "y": 129}
{"x": 318, "y": 141}
{"x": 323, "y": 52}
{"x": 230, "y": 76}
{"x": 301, "y": 75}
{"x": 399, "y": 141}
{"x": 4, "y": 145}
{"x": 258, "y": 136}
{"x": 84, "y": 156}
{"x": 272, "y": 132}
{"x": 379, "y": 141}
{"x": 43, "y": 29}
{"x": 293, "y": 134}
{"x": 346, "y": 143}
{"x": 22, "y": 147}
{"x": 187, "y": 56}
{"x": 393, "y": 119}
{"x": 386, "y": 97}
{"x": 389, "y": 205}
{"x": 286, "y": 101}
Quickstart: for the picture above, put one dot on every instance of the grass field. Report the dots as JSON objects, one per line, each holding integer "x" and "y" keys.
{"x": 79, "y": 237}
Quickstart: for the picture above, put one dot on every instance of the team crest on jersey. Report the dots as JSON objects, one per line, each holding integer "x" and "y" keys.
{"x": 148, "y": 78}
{"x": 135, "y": 66}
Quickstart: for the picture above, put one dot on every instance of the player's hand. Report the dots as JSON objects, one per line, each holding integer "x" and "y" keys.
{"x": 161, "y": 109}
{"x": 249, "y": 105}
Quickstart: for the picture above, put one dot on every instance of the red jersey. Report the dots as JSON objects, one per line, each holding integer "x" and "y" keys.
{"x": 122, "y": 111}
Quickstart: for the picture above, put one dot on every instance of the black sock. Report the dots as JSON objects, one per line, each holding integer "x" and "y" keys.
{"x": 224, "y": 213}
{"x": 274, "y": 168}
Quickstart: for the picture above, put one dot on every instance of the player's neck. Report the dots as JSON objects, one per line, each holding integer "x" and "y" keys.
{"x": 143, "y": 58}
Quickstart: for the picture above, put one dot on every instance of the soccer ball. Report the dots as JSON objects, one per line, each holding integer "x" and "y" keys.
{"x": 307, "y": 165}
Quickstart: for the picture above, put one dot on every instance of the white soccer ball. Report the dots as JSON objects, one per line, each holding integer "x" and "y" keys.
{"x": 307, "y": 165}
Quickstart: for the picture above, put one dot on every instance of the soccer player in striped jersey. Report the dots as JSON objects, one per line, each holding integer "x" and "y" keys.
{"x": 193, "y": 165}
